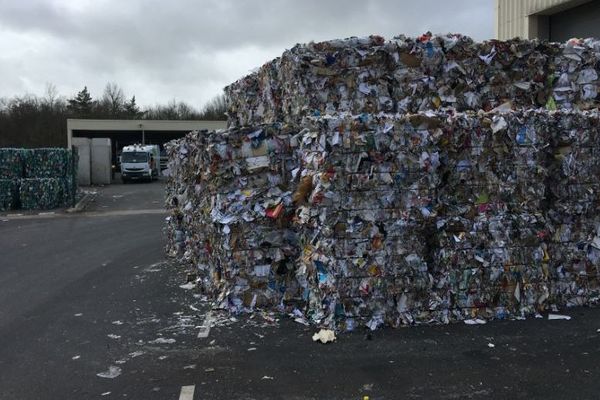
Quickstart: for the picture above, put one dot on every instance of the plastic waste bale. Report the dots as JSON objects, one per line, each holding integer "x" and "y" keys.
{"x": 42, "y": 193}
{"x": 8, "y": 194}
{"x": 48, "y": 163}
{"x": 11, "y": 163}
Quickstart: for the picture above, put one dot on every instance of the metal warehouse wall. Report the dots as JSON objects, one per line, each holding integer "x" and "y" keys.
{"x": 517, "y": 18}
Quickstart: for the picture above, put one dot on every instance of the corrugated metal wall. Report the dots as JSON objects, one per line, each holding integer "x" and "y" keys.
{"x": 512, "y": 16}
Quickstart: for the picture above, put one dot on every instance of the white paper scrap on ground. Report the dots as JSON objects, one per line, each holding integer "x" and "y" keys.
{"x": 475, "y": 321}
{"x": 161, "y": 340}
{"x": 558, "y": 316}
{"x": 205, "y": 328}
{"x": 188, "y": 286}
{"x": 324, "y": 336}
{"x": 111, "y": 373}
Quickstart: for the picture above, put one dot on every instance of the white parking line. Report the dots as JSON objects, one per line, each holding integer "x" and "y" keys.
{"x": 205, "y": 328}
{"x": 114, "y": 213}
{"x": 187, "y": 392}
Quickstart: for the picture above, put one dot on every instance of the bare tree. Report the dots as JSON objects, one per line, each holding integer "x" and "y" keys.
{"x": 51, "y": 96}
{"x": 215, "y": 109}
{"x": 113, "y": 99}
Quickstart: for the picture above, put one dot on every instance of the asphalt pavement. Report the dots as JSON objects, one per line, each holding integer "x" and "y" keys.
{"x": 90, "y": 308}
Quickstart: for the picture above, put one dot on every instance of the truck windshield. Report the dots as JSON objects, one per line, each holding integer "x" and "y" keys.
{"x": 134, "y": 157}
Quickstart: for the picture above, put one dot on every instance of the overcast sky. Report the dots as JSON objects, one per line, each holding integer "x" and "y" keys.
{"x": 189, "y": 50}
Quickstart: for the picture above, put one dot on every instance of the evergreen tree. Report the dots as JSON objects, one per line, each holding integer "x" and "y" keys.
{"x": 131, "y": 109}
{"x": 81, "y": 105}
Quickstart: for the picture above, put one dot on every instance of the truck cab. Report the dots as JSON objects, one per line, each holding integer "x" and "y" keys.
{"x": 139, "y": 162}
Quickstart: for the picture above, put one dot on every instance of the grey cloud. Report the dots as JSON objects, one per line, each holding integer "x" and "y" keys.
{"x": 183, "y": 48}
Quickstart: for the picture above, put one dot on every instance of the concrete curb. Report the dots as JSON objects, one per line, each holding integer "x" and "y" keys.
{"x": 83, "y": 203}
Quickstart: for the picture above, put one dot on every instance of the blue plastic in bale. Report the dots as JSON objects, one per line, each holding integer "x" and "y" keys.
{"x": 47, "y": 163}
{"x": 8, "y": 194}
{"x": 11, "y": 163}
{"x": 42, "y": 193}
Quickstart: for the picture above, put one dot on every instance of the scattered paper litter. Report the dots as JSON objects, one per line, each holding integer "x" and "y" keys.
{"x": 367, "y": 387}
{"x": 475, "y": 321}
{"x": 491, "y": 345}
{"x": 324, "y": 336}
{"x": 192, "y": 366}
{"x": 111, "y": 373}
{"x": 558, "y": 316}
{"x": 136, "y": 354}
{"x": 266, "y": 377}
{"x": 117, "y": 322}
{"x": 77, "y": 357}
{"x": 78, "y": 315}
{"x": 161, "y": 340}
{"x": 105, "y": 393}
{"x": 188, "y": 286}
{"x": 252, "y": 349}
{"x": 113, "y": 336}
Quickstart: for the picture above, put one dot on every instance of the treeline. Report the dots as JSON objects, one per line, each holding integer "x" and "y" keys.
{"x": 41, "y": 121}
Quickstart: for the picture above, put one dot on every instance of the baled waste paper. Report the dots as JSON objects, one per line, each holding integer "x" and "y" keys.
{"x": 365, "y": 182}
{"x": 408, "y": 75}
{"x": 232, "y": 212}
{"x": 393, "y": 219}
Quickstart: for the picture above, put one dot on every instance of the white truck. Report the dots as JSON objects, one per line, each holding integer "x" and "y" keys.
{"x": 140, "y": 162}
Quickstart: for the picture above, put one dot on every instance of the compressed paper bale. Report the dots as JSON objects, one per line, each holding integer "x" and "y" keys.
{"x": 406, "y": 218}
{"x": 230, "y": 204}
{"x": 396, "y": 226}
{"x": 407, "y": 75}
{"x": 502, "y": 207}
